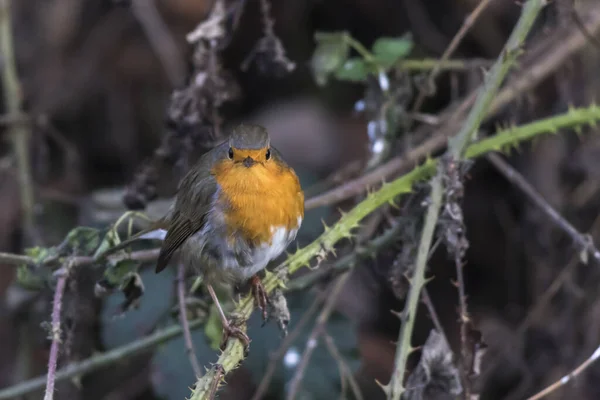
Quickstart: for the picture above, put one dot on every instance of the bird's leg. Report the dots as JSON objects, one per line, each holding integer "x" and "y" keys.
{"x": 228, "y": 327}
{"x": 260, "y": 295}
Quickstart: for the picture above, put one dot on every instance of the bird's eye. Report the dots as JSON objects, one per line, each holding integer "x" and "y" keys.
{"x": 268, "y": 155}
{"x": 230, "y": 154}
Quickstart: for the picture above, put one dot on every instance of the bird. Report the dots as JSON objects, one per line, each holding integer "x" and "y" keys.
{"x": 238, "y": 208}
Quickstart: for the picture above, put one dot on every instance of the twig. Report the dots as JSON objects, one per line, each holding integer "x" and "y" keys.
{"x": 9, "y": 119}
{"x": 15, "y": 259}
{"x": 458, "y": 146}
{"x": 556, "y": 284}
{"x": 437, "y": 324}
{"x": 545, "y": 64}
{"x": 287, "y": 342}
{"x": 187, "y": 335}
{"x": 325, "y": 244}
{"x": 317, "y": 331}
{"x": 81, "y": 368}
{"x": 342, "y": 264}
{"x": 466, "y": 26}
{"x": 80, "y": 261}
{"x": 584, "y": 242}
{"x": 567, "y": 378}
{"x": 19, "y": 133}
{"x": 343, "y": 366}
{"x": 160, "y": 39}
{"x": 55, "y": 333}
{"x": 427, "y": 64}
{"x": 464, "y": 326}
{"x": 234, "y": 353}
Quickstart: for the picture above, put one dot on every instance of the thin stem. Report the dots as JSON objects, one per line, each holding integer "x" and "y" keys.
{"x": 437, "y": 324}
{"x": 160, "y": 39}
{"x": 360, "y": 49}
{"x": 19, "y": 133}
{"x": 79, "y": 369}
{"x": 15, "y": 259}
{"x": 464, "y": 321}
{"x": 61, "y": 284}
{"x": 569, "y": 377}
{"x": 486, "y": 95}
{"x": 348, "y": 261}
{"x": 542, "y": 66}
{"x": 342, "y": 366}
{"x": 313, "y": 338}
{"x": 287, "y": 342}
{"x": 584, "y": 242}
{"x": 404, "y": 348}
{"x": 438, "y": 66}
{"x": 187, "y": 335}
{"x": 426, "y": 64}
{"x": 458, "y": 146}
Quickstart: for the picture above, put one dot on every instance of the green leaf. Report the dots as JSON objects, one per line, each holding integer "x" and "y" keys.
{"x": 117, "y": 331}
{"x": 387, "y": 50}
{"x": 39, "y": 254}
{"x": 353, "y": 70}
{"x": 331, "y": 52}
{"x": 32, "y": 278}
{"x": 118, "y": 273}
{"x": 83, "y": 240}
{"x": 123, "y": 276}
{"x": 111, "y": 239}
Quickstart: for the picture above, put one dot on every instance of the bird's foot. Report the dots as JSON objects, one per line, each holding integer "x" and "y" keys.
{"x": 260, "y": 296}
{"x": 231, "y": 330}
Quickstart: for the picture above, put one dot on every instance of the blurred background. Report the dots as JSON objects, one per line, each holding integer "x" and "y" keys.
{"x": 117, "y": 104}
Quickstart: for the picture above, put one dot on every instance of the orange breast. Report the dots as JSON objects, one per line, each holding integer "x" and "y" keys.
{"x": 259, "y": 198}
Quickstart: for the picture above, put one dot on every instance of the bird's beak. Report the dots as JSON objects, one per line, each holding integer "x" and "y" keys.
{"x": 248, "y": 162}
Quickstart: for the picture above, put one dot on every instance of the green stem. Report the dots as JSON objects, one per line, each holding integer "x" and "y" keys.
{"x": 96, "y": 362}
{"x": 409, "y": 315}
{"x": 457, "y": 147}
{"x": 496, "y": 76}
{"x": 19, "y": 133}
{"x": 323, "y": 245}
{"x": 502, "y": 140}
{"x": 427, "y": 64}
{"x": 360, "y": 49}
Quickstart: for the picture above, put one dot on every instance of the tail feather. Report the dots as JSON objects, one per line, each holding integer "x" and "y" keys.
{"x": 155, "y": 231}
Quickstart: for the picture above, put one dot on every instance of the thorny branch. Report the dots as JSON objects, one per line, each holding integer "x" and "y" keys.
{"x": 185, "y": 324}
{"x": 55, "y": 332}
{"x": 454, "y": 233}
{"x": 457, "y": 148}
{"x": 537, "y": 65}
{"x": 233, "y": 354}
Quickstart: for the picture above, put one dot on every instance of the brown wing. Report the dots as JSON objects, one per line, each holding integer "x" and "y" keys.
{"x": 181, "y": 228}
{"x": 192, "y": 207}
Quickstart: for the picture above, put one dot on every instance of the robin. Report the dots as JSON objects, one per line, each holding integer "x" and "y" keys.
{"x": 238, "y": 208}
